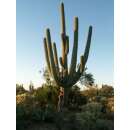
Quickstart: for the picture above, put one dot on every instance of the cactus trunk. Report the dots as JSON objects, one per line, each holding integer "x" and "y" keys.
{"x": 66, "y": 96}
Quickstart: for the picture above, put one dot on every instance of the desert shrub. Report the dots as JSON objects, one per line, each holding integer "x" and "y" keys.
{"x": 106, "y": 91}
{"x": 37, "y": 114}
{"x": 46, "y": 95}
{"x": 102, "y": 124}
{"x": 96, "y": 113}
{"x": 88, "y": 121}
{"x": 41, "y": 96}
{"x": 87, "y": 118}
{"x": 38, "y": 106}
{"x": 50, "y": 113}
{"x": 93, "y": 107}
{"x": 20, "y": 99}
{"x": 20, "y": 112}
{"x": 76, "y": 99}
{"x": 91, "y": 92}
{"x": 110, "y": 104}
{"x": 21, "y": 117}
{"x": 25, "y": 99}
{"x": 20, "y": 89}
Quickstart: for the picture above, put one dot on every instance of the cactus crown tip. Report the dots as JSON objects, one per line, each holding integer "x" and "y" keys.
{"x": 47, "y": 29}
{"x": 90, "y": 27}
{"x": 62, "y": 4}
{"x": 44, "y": 38}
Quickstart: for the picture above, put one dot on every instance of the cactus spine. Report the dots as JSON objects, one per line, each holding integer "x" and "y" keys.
{"x": 64, "y": 75}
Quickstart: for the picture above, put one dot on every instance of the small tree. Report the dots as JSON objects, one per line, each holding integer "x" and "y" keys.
{"x": 86, "y": 79}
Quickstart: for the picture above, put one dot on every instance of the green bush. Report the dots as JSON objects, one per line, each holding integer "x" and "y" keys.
{"x": 20, "y": 112}
{"x": 46, "y": 95}
{"x": 41, "y": 106}
{"x": 37, "y": 114}
{"x": 106, "y": 91}
{"x": 93, "y": 107}
{"x": 102, "y": 124}
{"x": 21, "y": 118}
{"x": 76, "y": 99}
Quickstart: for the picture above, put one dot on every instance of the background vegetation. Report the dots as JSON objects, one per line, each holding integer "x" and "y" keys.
{"x": 91, "y": 109}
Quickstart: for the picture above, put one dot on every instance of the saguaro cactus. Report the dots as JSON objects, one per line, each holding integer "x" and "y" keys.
{"x": 66, "y": 76}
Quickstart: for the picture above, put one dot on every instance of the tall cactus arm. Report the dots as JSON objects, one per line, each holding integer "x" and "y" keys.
{"x": 83, "y": 59}
{"x": 46, "y": 55}
{"x": 67, "y": 45}
{"x": 88, "y": 43}
{"x": 77, "y": 74}
{"x": 61, "y": 63}
{"x": 55, "y": 57}
{"x": 51, "y": 57}
{"x": 75, "y": 47}
{"x": 63, "y": 19}
{"x": 63, "y": 38}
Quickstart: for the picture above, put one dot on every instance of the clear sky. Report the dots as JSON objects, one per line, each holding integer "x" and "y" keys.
{"x": 34, "y": 16}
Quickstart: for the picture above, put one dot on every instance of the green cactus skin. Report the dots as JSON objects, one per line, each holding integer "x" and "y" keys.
{"x": 51, "y": 57}
{"x": 63, "y": 19}
{"x": 63, "y": 75}
{"x": 81, "y": 64}
{"x": 67, "y": 45}
{"x": 46, "y": 55}
{"x": 55, "y": 57}
{"x": 75, "y": 48}
{"x": 64, "y": 58}
{"x": 87, "y": 48}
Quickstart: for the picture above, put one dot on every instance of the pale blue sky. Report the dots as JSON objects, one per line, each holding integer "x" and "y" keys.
{"x": 34, "y": 16}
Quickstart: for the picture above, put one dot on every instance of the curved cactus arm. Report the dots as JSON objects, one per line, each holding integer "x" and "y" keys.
{"x": 75, "y": 48}
{"x": 55, "y": 57}
{"x": 46, "y": 55}
{"x": 88, "y": 43}
{"x": 51, "y": 57}
{"x": 83, "y": 59}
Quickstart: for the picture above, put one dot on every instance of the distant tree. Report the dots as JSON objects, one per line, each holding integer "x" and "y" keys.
{"x": 31, "y": 87}
{"x": 47, "y": 77}
{"x": 107, "y": 91}
{"x": 87, "y": 79}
